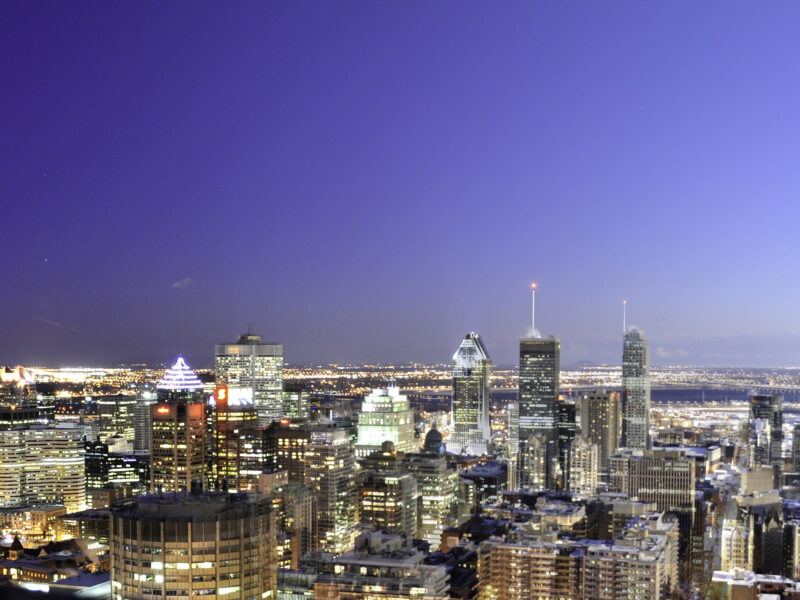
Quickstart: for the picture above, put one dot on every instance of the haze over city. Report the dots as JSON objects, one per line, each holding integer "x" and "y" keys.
{"x": 365, "y": 182}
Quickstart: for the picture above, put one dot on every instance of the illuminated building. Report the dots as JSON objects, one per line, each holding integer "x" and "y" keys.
{"x": 178, "y": 431}
{"x": 129, "y": 469}
{"x": 796, "y": 448}
{"x": 438, "y": 500}
{"x": 584, "y": 467}
{"x": 285, "y": 447}
{"x": 766, "y": 433}
{"x": 512, "y": 429}
{"x": 96, "y": 465}
{"x": 235, "y": 422}
{"x": 201, "y": 544}
{"x": 249, "y": 364}
{"x": 329, "y": 470}
{"x": 538, "y": 386}
{"x": 470, "y": 411}
{"x": 635, "y": 390}
{"x": 536, "y": 458}
{"x": 566, "y": 410}
{"x": 385, "y": 416}
{"x": 387, "y": 502}
{"x": 44, "y": 464}
{"x": 380, "y": 568}
{"x": 295, "y": 518}
{"x": 177, "y": 457}
{"x": 141, "y": 422}
{"x": 295, "y": 401}
{"x": 117, "y": 417}
{"x": 600, "y": 423}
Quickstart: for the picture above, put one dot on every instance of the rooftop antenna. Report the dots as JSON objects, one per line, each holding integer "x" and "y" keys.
{"x": 249, "y": 327}
{"x": 533, "y": 309}
{"x": 624, "y": 317}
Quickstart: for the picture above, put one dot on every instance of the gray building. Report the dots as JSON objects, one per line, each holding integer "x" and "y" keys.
{"x": 253, "y": 371}
{"x": 538, "y": 386}
{"x": 470, "y": 413}
{"x": 635, "y": 390}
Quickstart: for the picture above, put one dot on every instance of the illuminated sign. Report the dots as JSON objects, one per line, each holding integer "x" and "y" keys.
{"x": 163, "y": 409}
{"x": 222, "y": 393}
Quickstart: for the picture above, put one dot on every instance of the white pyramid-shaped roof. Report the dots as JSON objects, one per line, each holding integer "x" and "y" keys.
{"x": 180, "y": 377}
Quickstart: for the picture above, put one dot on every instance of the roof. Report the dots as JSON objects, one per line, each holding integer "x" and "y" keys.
{"x": 180, "y": 377}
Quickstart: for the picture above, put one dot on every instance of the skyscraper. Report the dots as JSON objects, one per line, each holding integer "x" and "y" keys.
{"x": 235, "y": 421}
{"x": 600, "y": 424}
{"x": 766, "y": 432}
{"x": 330, "y": 465}
{"x": 470, "y": 413}
{"x": 385, "y": 415}
{"x": 178, "y": 431}
{"x": 635, "y": 390}
{"x": 256, "y": 367}
{"x": 583, "y": 467}
{"x": 538, "y": 386}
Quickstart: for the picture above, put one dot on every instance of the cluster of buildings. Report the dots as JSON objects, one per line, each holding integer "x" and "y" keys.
{"x": 243, "y": 487}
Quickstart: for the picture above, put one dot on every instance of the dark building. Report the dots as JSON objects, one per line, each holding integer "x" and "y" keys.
{"x": 538, "y": 387}
{"x": 566, "y": 433}
{"x": 285, "y": 446}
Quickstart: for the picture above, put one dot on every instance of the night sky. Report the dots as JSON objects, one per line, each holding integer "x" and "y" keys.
{"x": 367, "y": 181}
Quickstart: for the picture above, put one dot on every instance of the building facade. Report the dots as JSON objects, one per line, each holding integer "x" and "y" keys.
{"x": 385, "y": 416}
{"x": 470, "y": 431}
{"x": 635, "y": 390}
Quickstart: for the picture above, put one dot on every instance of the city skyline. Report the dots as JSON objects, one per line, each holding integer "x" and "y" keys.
{"x": 171, "y": 175}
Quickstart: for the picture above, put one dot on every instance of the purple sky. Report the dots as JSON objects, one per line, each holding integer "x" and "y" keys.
{"x": 367, "y": 181}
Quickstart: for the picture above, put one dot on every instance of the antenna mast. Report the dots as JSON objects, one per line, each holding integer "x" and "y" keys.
{"x": 624, "y": 317}
{"x": 533, "y": 309}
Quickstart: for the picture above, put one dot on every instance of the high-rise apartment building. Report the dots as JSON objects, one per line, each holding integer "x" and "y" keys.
{"x": 635, "y": 390}
{"x": 385, "y": 416}
{"x": 470, "y": 433}
{"x": 141, "y": 422}
{"x": 539, "y": 364}
{"x": 201, "y": 544}
{"x": 329, "y": 470}
{"x": 583, "y": 472}
{"x": 256, "y": 369}
{"x": 600, "y": 423}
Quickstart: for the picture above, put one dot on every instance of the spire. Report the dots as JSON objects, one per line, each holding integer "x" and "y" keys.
{"x": 624, "y": 317}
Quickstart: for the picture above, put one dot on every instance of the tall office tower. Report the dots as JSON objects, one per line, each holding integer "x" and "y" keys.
{"x": 584, "y": 462}
{"x": 388, "y": 502}
{"x": 178, "y": 455}
{"x": 438, "y": 486}
{"x": 117, "y": 417}
{"x": 95, "y": 466}
{"x": 296, "y": 399}
{"x": 766, "y": 432}
{"x": 380, "y": 568}
{"x": 178, "y": 431}
{"x": 600, "y": 423}
{"x": 566, "y": 433}
{"x": 210, "y": 544}
{"x": 796, "y": 448}
{"x": 235, "y": 423}
{"x": 635, "y": 390}
{"x": 538, "y": 386}
{"x": 141, "y": 422}
{"x": 257, "y": 367}
{"x": 43, "y": 464}
{"x": 471, "y": 432}
{"x": 385, "y": 416}
{"x": 330, "y": 465}
{"x": 285, "y": 447}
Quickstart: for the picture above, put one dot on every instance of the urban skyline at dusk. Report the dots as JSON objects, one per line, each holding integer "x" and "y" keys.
{"x": 369, "y": 182}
